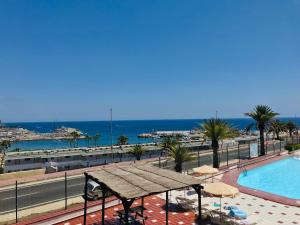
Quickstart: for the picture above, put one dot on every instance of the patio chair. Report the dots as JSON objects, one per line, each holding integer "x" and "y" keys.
{"x": 187, "y": 204}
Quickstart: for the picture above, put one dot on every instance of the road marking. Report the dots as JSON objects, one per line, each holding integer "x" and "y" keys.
{"x": 73, "y": 185}
{"x": 19, "y": 196}
{"x": 41, "y": 182}
{"x": 39, "y": 204}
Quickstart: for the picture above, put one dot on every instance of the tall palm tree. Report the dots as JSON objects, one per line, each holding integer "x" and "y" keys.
{"x": 277, "y": 126}
{"x": 96, "y": 138}
{"x": 180, "y": 155}
{"x": 71, "y": 143}
{"x": 137, "y": 151}
{"x": 88, "y": 139}
{"x": 249, "y": 127}
{"x": 291, "y": 127}
{"x": 75, "y": 135}
{"x": 123, "y": 140}
{"x": 217, "y": 130}
{"x": 168, "y": 143}
{"x": 4, "y": 145}
{"x": 262, "y": 114}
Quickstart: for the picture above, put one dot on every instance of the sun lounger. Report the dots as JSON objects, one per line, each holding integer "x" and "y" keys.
{"x": 184, "y": 203}
{"x": 239, "y": 214}
{"x": 230, "y": 207}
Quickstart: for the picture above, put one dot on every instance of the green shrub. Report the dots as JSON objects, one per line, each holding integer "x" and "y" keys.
{"x": 291, "y": 148}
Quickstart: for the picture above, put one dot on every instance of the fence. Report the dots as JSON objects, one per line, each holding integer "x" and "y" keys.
{"x": 14, "y": 201}
{"x": 227, "y": 155}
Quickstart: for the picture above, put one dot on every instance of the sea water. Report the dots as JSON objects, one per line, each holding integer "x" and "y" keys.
{"x": 129, "y": 128}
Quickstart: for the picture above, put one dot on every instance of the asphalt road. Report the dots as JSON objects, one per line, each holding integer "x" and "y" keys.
{"x": 29, "y": 196}
{"x": 39, "y": 194}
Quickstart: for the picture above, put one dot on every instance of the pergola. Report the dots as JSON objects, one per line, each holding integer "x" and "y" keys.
{"x": 132, "y": 182}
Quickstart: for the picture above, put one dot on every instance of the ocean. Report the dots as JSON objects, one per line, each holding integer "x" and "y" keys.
{"x": 130, "y": 128}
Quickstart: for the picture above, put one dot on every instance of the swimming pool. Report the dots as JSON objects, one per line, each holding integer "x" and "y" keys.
{"x": 281, "y": 178}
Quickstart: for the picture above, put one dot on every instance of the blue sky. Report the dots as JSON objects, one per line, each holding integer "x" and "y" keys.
{"x": 73, "y": 60}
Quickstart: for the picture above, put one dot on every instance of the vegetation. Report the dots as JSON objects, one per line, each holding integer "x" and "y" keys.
{"x": 4, "y": 145}
{"x": 277, "y": 126}
{"x": 137, "y": 151}
{"x": 291, "y": 127}
{"x": 248, "y": 128}
{"x": 123, "y": 140}
{"x": 262, "y": 114}
{"x": 71, "y": 143}
{"x": 168, "y": 143}
{"x": 88, "y": 139}
{"x": 180, "y": 155}
{"x": 75, "y": 135}
{"x": 291, "y": 148}
{"x": 96, "y": 138}
{"x": 217, "y": 130}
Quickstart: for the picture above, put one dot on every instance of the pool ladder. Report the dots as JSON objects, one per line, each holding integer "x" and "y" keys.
{"x": 245, "y": 171}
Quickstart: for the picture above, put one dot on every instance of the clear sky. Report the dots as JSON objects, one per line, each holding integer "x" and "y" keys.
{"x": 73, "y": 60}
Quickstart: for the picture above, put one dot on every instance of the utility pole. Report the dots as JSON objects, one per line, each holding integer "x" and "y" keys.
{"x": 216, "y": 114}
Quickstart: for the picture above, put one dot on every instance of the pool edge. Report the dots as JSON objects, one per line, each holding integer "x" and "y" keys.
{"x": 231, "y": 178}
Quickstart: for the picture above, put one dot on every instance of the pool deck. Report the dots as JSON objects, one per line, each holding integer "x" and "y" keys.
{"x": 231, "y": 178}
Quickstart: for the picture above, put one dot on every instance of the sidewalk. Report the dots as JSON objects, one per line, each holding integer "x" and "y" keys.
{"x": 63, "y": 215}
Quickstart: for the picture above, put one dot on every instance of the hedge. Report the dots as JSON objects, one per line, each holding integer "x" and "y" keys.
{"x": 291, "y": 148}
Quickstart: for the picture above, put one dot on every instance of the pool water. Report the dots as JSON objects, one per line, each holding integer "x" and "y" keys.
{"x": 281, "y": 178}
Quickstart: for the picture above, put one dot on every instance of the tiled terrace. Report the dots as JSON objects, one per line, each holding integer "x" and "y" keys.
{"x": 155, "y": 213}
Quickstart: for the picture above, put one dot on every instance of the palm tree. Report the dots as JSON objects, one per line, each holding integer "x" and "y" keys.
{"x": 123, "y": 140}
{"x": 88, "y": 139}
{"x": 262, "y": 114}
{"x": 137, "y": 151}
{"x": 277, "y": 126}
{"x": 248, "y": 128}
{"x": 217, "y": 130}
{"x": 168, "y": 143}
{"x": 71, "y": 143}
{"x": 291, "y": 127}
{"x": 180, "y": 155}
{"x": 4, "y": 145}
{"x": 75, "y": 135}
{"x": 96, "y": 138}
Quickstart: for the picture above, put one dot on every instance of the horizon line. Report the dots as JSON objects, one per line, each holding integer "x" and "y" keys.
{"x": 120, "y": 120}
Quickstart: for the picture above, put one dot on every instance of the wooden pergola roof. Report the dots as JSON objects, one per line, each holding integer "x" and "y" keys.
{"x": 136, "y": 181}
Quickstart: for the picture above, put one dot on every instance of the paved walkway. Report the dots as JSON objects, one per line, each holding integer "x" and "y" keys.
{"x": 259, "y": 210}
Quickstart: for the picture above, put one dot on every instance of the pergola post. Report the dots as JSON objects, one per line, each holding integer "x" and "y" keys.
{"x": 198, "y": 191}
{"x": 85, "y": 198}
{"x": 167, "y": 207}
{"x": 143, "y": 203}
{"x": 126, "y": 205}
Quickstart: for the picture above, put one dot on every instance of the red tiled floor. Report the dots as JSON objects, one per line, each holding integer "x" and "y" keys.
{"x": 155, "y": 211}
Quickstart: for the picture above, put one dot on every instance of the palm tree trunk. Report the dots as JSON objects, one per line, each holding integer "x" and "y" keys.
{"x": 215, "y": 147}
{"x": 262, "y": 141}
{"x": 278, "y": 136}
{"x": 178, "y": 167}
